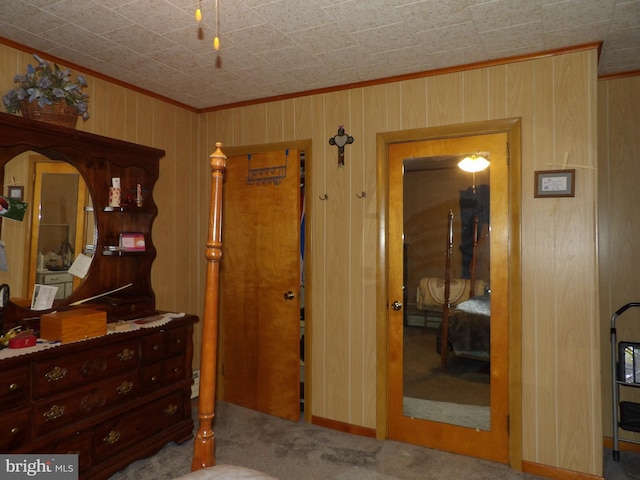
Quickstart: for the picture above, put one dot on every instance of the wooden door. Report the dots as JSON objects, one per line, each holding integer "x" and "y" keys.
{"x": 490, "y": 441}
{"x": 260, "y": 283}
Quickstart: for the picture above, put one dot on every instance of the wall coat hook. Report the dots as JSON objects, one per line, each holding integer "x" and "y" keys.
{"x": 362, "y": 195}
{"x": 340, "y": 140}
{"x": 323, "y": 197}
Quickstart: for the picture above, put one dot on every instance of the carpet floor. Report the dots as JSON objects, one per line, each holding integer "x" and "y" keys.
{"x": 296, "y": 451}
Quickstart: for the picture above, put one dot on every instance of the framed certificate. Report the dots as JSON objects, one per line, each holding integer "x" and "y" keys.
{"x": 555, "y": 183}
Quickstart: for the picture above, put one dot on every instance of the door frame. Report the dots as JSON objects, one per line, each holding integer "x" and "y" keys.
{"x": 305, "y": 145}
{"x": 512, "y": 127}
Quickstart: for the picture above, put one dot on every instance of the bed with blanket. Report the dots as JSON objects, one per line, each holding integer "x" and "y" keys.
{"x": 465, "y": 330}
{"x": 203, "y": 464}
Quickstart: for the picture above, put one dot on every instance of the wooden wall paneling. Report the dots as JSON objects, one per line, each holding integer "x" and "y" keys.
{"x": 394, "y": 107}
{"x": 98, "y": 107}
{"x": 355, "y": 167}
{"x": 130, "y": 121}
{"x": 619, "y": 229}
{"x": 319, "y": 234}
{"x": 145, "y": 115}
{"x": 338, "y": 249}
{"x": 254, "y": 124}
{"x": 205, "y": 124}
{"x": 10, "y": 63}
{"x": 187, "y": 246}
{"x": 116, "y": 120}
{"x": 605, "y": 258}
{"x": 476, "y": 98}
{"x": 413, "y": 96}
{"x": 165, "y": 196}
{"x": 274, "y": 122}
{"x": 302, "y": 120}
{"x": 445, "y": 100}
{"x": 375, "y": 120}
{"x": 521, "y": 97}
{"x": 496, "y": 98}
{"x": 575, "y": 245}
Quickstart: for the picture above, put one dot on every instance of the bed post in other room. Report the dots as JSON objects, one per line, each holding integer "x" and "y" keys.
{"x": 204, "y": 442}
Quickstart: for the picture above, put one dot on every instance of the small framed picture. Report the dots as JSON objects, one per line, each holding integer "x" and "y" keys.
{"x": 16, "y": 192}
{"x": 555, "y": 183}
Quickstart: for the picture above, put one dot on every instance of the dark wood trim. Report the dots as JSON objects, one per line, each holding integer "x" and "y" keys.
{"x": 343, "y": 427}
{"x": 347, "y": 86}
{"x": 556, "y": 473}
{"x": 607, "y": 442}
{"x": 613, "y": 76}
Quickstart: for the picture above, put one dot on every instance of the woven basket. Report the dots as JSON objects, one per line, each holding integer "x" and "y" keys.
{"x": 58, "y": 113}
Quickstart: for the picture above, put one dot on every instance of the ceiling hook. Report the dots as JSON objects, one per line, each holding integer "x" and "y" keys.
{"x": 362, "y": 195}
{"x": 324, "y": 197}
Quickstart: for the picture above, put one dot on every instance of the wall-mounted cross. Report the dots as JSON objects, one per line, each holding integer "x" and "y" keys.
{"x": 340, "y": 140}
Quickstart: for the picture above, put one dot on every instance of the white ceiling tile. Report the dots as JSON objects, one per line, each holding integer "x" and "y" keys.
{"x": 512, "y": 39}
{"x": 260, "y": 38}
{"x": 139, "y": 39}
{"x": 323, "y": 38}
{"x": 283, "y": 46}
{"x": 88, "y": 14}
{"x": 291, "y": 15}
{"x": 159, "y": 16}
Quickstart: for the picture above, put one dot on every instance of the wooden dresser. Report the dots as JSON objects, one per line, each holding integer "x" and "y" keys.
{"x": 112, "y": 399}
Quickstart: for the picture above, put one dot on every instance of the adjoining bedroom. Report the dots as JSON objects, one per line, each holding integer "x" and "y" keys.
{"x": 446, "y": 250}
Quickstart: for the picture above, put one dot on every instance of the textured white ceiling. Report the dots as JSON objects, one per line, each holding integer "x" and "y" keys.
{"x": 279, "y": 47}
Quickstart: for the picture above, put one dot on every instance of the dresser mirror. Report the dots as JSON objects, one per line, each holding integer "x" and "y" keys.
{"x": 58, "y": 225}
{"x": 66, "y": 175}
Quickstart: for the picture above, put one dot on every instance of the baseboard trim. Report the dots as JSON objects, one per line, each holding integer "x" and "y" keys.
{"x": 623, "y": 445}
{"x": 343, "y": 427}
{"x": 556, "y": 473}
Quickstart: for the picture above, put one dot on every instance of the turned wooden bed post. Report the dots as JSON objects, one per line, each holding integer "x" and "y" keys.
{"x": 472, "y": 287}
{"x": 444, "y": 334}
{"x": 204, "y": 442}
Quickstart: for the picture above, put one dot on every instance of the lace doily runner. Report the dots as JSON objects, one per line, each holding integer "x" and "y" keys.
{"x": 135, "y": 324}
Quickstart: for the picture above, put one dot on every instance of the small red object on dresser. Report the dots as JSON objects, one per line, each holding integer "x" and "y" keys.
{"x": 22, "y": 341}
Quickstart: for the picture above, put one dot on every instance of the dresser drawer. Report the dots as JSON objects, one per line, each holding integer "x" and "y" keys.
{"x": 162, "y": 344}
{"x": 161, "y": 373}
{"x": 14, "y": 429}
{"x": 14, "y": 387}
{"x": 78, "y": 443}
{"x": 126, "y": 431}
{"x": 62, "y": 410}
{"x": 63, "y": 373}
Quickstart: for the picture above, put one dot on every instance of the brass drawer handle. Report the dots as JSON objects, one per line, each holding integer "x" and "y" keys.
{"x": 15, "y": 430}
{"x": 156, "y": 348}
{"x": 54, "y": 412}
{"x": 171, "y": 409}
{"x": 13, "y": 387}
{"x": 58, "y": 373}
{"x": 125, "y": 387}
{"x": 154, "y": 378}
{"x": 126, "y": 354}
{"x": 112, "y": 438}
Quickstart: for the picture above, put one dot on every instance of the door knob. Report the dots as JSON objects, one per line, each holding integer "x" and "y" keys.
{"x": 289, "y": 295}
{"x": 396, "y": 305}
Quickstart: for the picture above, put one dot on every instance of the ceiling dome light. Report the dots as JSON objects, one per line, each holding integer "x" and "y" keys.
{"x": 473, "y": 163}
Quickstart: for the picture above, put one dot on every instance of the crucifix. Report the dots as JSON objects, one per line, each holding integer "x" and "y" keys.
{"x": 340, "y": 140}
